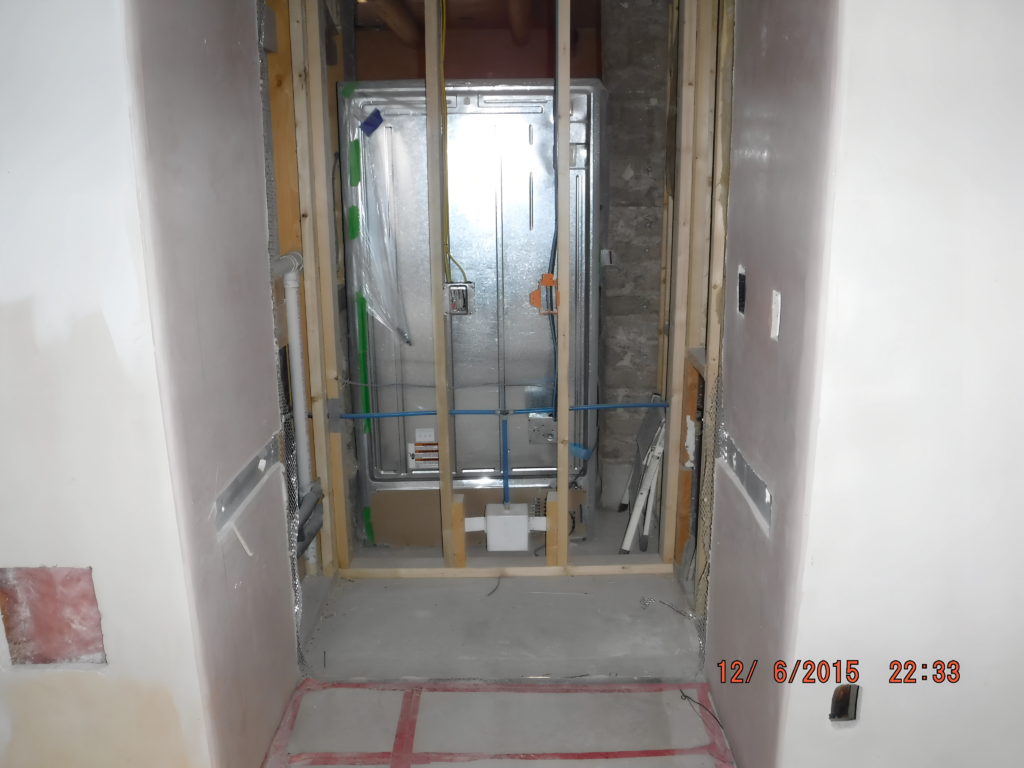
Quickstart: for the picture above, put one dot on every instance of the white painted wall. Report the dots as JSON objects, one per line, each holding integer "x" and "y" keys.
{"x": 200, "y": 130}
{"x": 909, "y": 528}
{"x": 138, "y": 375}
{"x": 915, "y": 527}
{"x": 84, "y": 474}
{"x": 778, "y": 205}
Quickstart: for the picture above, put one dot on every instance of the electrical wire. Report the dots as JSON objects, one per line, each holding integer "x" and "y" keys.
{"x": 495, "y": 587}
{"x": 552, "y": 295}
{"x": 697, "y": 712}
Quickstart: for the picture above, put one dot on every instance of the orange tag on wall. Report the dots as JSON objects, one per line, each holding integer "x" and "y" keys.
{"x": 547, "y": 282}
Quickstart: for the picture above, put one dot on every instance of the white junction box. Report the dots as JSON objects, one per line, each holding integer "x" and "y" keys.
{"x": 507, "y": 528}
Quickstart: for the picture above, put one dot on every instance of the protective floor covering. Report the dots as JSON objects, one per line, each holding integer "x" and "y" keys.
{"x": 580, "y": 627}
{"x": 492, "y": 725}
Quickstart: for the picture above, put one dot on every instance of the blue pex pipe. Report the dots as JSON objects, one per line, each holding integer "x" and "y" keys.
{"x": 504, "y": 458}
{"x": 517, "y": 412}
{"x": 386, "y": 415}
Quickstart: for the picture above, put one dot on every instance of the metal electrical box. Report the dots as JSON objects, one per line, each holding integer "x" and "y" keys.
{"x": 501, "y": 186}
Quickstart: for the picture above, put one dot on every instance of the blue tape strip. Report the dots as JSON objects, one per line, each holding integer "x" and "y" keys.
{"x": 372, "y": 123}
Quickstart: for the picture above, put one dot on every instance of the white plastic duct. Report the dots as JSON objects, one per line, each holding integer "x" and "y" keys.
{"x": 288, "y": 267}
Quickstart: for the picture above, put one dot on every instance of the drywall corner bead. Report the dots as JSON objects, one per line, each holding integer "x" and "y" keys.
{"x": 242, "y": 487}
{"x": 751, "y": 483}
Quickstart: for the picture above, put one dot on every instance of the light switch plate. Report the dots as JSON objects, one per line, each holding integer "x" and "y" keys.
{"x": 776, "y": 314}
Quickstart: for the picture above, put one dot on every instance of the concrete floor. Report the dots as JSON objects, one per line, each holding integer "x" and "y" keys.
{"x": 650, "y": 725}
{"x": 573, "y": 672}
{"x": 559, "y": 628}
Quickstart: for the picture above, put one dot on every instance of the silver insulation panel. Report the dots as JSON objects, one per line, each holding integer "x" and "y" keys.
{"x": 501, "y": 179}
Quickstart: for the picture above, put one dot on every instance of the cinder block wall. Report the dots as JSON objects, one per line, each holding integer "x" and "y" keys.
{"x": 634, "y": 40}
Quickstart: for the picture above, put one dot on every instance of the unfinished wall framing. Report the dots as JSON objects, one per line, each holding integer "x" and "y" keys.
{"x": 705, "y": 140}
{"x": 682, "y": 274}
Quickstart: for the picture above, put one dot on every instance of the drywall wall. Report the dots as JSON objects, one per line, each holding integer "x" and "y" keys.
{"x": 913, "y": 551}
{"x": 84, "y": 477}
{"x": 782, "y": 118}
{"x": 200, "y": 132}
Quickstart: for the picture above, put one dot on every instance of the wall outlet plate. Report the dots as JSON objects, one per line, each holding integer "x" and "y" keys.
{"x": 844, "y": 703}
{"x": 458, "y": 298}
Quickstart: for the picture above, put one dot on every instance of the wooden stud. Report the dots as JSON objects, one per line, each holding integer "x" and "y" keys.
{"x": 665, "y": 308}
{"x": 286, "y": 171}
{"x": 703, "y": 138}
{"x": 695, "y": 357}
{"x": 312, "y": 138}
{"x": 453, "y": 533}
{"x": 282, "y": 123}
{"x": 558, "y": 518}
{"x": 691, "y": 385}
{"x": 330, "y": 458}
{"x": 668, "y": 195}
{"x": 680, "y": 276}
{"x": 716, "y": 283}
{"x": 493, "y": 572}
{"x": 313, "y": 329}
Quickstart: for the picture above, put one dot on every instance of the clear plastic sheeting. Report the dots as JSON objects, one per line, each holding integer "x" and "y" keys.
{"x": 368, "y": 225}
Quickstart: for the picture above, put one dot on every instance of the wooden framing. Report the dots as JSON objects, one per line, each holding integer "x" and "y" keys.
{"x": 693, "y": 252}
{"x": 716, "y": 281}
{"x": 694, "y": 312}
{"x": 558, "y": 518}
{"x": 672, "y": 90}
{"x": 485, "y": 572}
{"x": 336, "y": 518}
{"x": 312, "y": 141}
{"x": 282, "y": 119}
{"x": 703, "y": 137}
{"x": 691, "y": 385}
{"x": 679, "y": 271}
{"x": 453, "y": 527}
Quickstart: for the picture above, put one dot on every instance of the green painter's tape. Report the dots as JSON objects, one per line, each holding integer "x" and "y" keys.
{"x": 355, "y": 163}
{"x": 362, "y": 336}
{"x": 349, "y": 88}
{"x": 353, "y": 222}
{"x": 368, "y": 523}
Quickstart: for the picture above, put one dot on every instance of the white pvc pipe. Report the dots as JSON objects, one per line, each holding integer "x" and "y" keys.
{"x": 645, "y": 489}
{"x": 651, "y": 502}
{"x": 297, "y": 371}
{"x": 289, "y": 266}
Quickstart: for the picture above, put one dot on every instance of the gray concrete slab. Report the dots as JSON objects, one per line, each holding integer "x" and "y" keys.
{"x": 682, "y": 761}
{"x": 586, "y": 627}
{"x": 346, "y": 720}
{"x": 547, "y": 723}
{"x": 314, "y": 593}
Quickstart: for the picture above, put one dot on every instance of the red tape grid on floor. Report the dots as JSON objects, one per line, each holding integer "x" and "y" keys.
{"x": 403, "y": 755}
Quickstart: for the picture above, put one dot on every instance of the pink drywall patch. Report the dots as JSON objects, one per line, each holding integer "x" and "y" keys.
{"x": 50, "y": 616}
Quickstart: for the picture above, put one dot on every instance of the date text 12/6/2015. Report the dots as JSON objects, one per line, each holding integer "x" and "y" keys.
{"x": 838, "y": 671}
